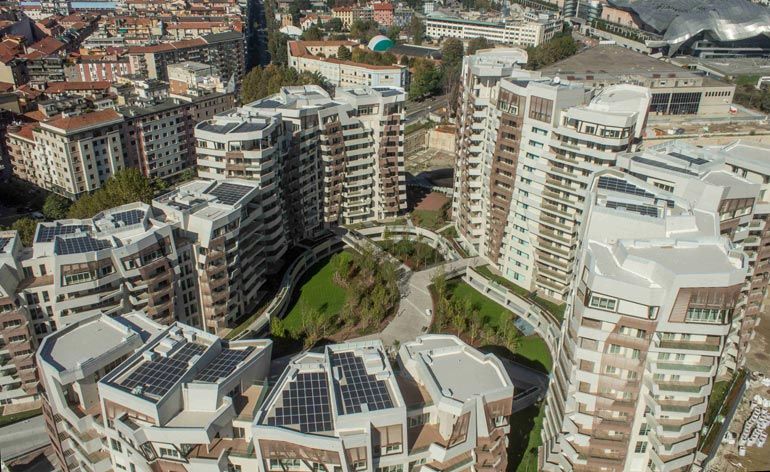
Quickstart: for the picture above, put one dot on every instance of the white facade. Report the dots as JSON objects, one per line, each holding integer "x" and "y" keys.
{"x": 520, "y": 32}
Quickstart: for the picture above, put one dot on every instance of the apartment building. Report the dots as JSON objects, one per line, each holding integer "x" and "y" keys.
{"x": 339, "y": 73}
{"x": 76, "y": 154}
{"x": 525, "y": 32}
{"x": 341, "y": 159}
{"x": 224, "y": 51}
{"x": 234, "y": 241}
{"x": 69, "y": 155}
{"x": 141, "y": 396}
{"x": 651, "y": 312}
{"x": 527, "y": 147}
{"x": 742, "y": 213}
{"x": 18, "y": 379}
{"x": 346, "y": 408}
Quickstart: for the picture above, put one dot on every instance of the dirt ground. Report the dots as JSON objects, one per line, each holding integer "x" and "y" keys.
{"x": 756, "y": 459}
{"x": 432, "y": 202}
{"x": 428, "y": 159}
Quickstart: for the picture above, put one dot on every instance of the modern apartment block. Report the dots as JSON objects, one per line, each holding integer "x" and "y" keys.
{"x": 656, "y": 297}
{"x": 527, "y": 146}
{"x": 347, "y": 409}
{"x": 531, "y": 31}
{"x": 234, "y": 241}
{"x": 340, "y": 160}
{"x": 146, "y": 397}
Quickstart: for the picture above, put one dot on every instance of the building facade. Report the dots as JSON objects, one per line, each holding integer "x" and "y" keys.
{"x": 526, "y": 32}
{"x": 346, "y": 408}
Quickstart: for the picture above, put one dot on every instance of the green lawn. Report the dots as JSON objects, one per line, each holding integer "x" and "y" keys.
{"x": 555, "y": 309}
{"x": 524, "y": 438}
{"x": 5, "y": 420}
{"x": 317, "y": 290}
{"x": 532, "y": 350}
{"x": 429, "y": 219}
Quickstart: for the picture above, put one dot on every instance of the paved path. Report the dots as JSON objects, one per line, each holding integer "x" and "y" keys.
{"x": 412, "y": 319}
{"x": 22, "y": 437}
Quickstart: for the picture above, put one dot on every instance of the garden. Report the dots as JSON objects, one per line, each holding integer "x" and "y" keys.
{"x": 349, "y": 294}
{"x": 415, "y": 254}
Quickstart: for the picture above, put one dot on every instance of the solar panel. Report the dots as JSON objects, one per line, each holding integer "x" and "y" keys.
{"x": 359, "y": 387}
{"x": 46, "y": 233}
{"x": 620, "y": 185}
{"x": 158, "y": 376}
{"x": 223, "y": 365}
{"x": 79, "y": 245}
{"x": 305, "y": 403}
{"x": 692, "y": 160}
{"x": 130, "y": 217}
{"x": 4, "y": 242}
{"x": 662, "y": 165}
{"x": 644, "y": 210}
{"x": 229, "y": 193}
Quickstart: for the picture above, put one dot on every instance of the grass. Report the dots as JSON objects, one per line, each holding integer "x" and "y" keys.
{"x": 6, "y": 420}
{"x": 429, "y": 219}
{"x": 555, "y": 309}
{"x": 409, "y": 129}
{"x": 532, "y": 350}
{"x": 414, "y": 254}
{"x": 317, "y": 290}
{"x": 524, "y": 438}
{"x": 749, "y": 79}
{"x": 717, "y": 397}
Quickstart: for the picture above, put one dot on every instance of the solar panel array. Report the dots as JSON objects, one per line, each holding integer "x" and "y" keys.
{"x": 223, "y": 365}
{"x": 228, "y": 193}
{"x": 644, "y": 210}
{"x": 305, "y": 404}
{"x": 79, "y": 245}
{"x": 620, "y": 185}
{"x": 662, "y": 165}
{"x": 360, "y": 387}
{"x": 47, "y": 233}
{"x": 4, "y": 242}
{"x": 130, "y": 217}
{"x": 692, "y": 160}
{"x": 158, "y": 376}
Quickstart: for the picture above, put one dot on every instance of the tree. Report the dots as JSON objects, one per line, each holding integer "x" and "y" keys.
{"x": 276, "y": 46}
{"x": 344, "y": 53}
{"x": 126, "y": 186}
{"x": 312, "y": 34}
{"x": 475, "y": 323}
{"x": 476, "y": 44}
{"x": 263, "y": 81}
{"x": 426, "y": 79}
{"x": 335, "y": 24}
{"x": 559, "y": 47}
{"x": 26, "y": 228}
{"x": 187, "y": 174}
{"x": 277, "y": 327}
{"x": 416, "y": 29}
{"x": 452, "y": 53}
{"x": 364, "y": 30}
{"x": 56, "y": 207}
{"x": 393, "y": 32}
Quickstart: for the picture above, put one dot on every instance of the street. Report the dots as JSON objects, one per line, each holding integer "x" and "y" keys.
{"x": 418, "y": 110}
{"x": 22, "y": 437}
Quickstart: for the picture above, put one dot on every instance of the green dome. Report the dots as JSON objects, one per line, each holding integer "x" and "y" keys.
{"x": 380, "y": 43}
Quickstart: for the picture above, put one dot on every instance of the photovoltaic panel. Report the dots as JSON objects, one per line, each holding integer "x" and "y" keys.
{"x": 130, "y": 217}
{"x": 620, "y": 185}
{"x": 47, "y": 233}
{"x": 156, "y": 377}
{"x": 224, "y": 364}
{"x": 692, "y": 160}
{"x": 644, "y": 210}
{"x": 360, "y": 387}
{"x": 229, "y": 193}
{"x": 661, "y": 165}
{"x": 79, "y": 245}
{"x": 305, "y": 404}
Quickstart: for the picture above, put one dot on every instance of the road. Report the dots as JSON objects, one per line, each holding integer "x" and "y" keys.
{"x": 22, "y": 437}
{"x": 418, "y": 110}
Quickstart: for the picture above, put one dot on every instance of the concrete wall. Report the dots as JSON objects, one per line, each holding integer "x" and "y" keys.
{"x": 442, "y": 138}
{"x": 434, "y": 240}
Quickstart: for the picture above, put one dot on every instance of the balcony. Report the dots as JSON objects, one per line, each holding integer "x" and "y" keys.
{"x": 690, "y": 345}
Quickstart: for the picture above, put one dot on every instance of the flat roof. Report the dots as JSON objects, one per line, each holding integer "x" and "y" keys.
{"x": 749, "y": 155}
{"x": 459, "y": 371}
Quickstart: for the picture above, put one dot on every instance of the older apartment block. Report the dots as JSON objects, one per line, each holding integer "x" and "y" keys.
{"x": 145, "y": 397}
{"x": 327, "y": 161}
{"x": 347, "y": 409}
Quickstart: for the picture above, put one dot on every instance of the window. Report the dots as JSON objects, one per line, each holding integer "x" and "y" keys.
{"x": 392, "y": 449}
{"x": 603, "y": 303}
{"x": 705, "y": 315}
{"x": 641, "y": 447}
{"x": 645, "y": 428}
{"x": 167, "y": 452}
{"x": 418, "y": 420}
{"x": 391, "y": 468}
{"x": 540, "y": 109}
{"x": 116, "y": 446}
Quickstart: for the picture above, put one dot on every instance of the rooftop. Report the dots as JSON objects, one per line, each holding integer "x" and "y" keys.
{"x": 207, "y": 199}
{"x": 452, "y": 364}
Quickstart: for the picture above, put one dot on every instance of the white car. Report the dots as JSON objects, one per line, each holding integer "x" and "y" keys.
{"x": 429, "y": 312}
